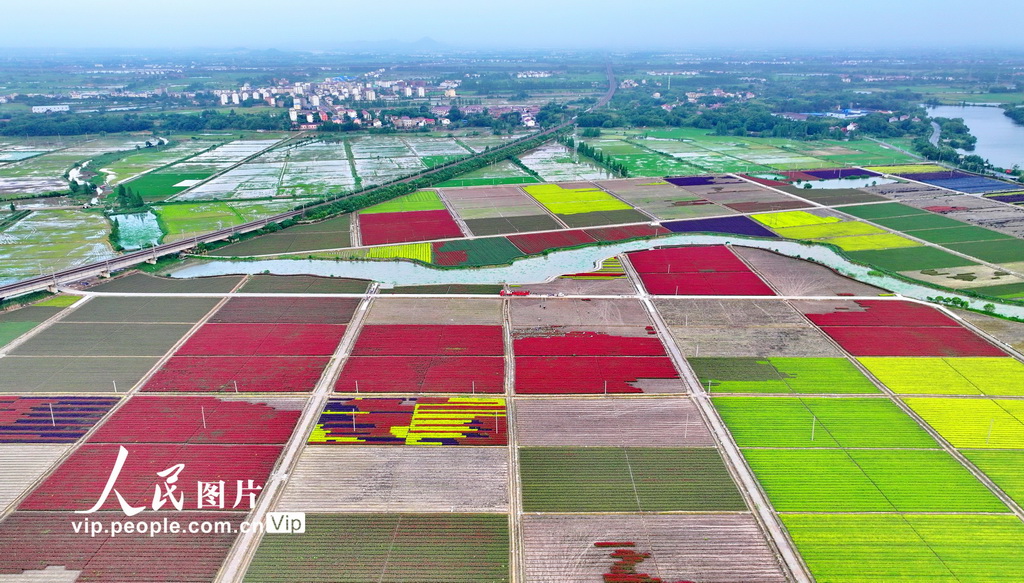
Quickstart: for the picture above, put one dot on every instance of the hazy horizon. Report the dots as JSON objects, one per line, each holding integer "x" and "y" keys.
{"x": 528, "y": 24}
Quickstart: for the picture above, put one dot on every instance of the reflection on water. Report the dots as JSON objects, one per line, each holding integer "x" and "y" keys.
{"x": 544, "y": 268}
{"x": 1000, "y": 141}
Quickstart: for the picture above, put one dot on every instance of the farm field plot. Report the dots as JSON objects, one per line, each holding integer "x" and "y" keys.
{"x": 101, "y": 339}
{"x": 603, "y": 479}
{"x": 528, "y": 312}
{"x": 475, "y": 252}
{"x": 491, "y": 202}
{"x": 503, "y": 172}
{"x": 609, "y": 341}
{"x": 286, "y": 310}
{"x": 17, "y": 322}
{"x": 252, "y": 180}
{"x": 45, "y": 173}
{"x": 1001, "y": 251}
{"x": 1007, "y": 331}
{"x": 141, "y": 309}
{"x": 793, "y": 277}
{"x": 242, "y": 374}
{"x": 642, "y": 161}
{"x": 534, "y": 243}
{"x": 398, "y": 479}
{"x": 910, "y": 259}
{"x": 662, "y": 199}
{"x": 580, "y": 204}
{"x": 696, "y": 271}
{"x": 869, "y": 481}
{"x": 820, "y": 423}
{"x": 329, "y": 234}
{"x": 741, "y": 328}
{"x": 422, "y": 200}
{"x": 302, "y": 284}
{"x": 52, "y": 240}
{"x": 144, "y": 283}
{"x": 609, "y": 279}
{"x": 554, "y": 162}
{"x": 1003, "y": 467}
{"x": 423, "y": 374}
{"x": 267, "y": 339}
{"x": 25, "y": 463}
{"x": 429, "y": 340}
{"x": 384, "y": 228}
{"x": 166, "y": 183}
{"x": 446, "y": 289}
{"x": 50, "y": 420}
{"x": 716, "y": 547}
{"x": 37, "y": 540}
{"x": 733, "y": 225}
{"x": 880, "y": 328}
{"x": 79, "y": 481}
{"x": 537, "y": 375}
{"x": 200, "y": 420}
{"x": 425, "y": 358}
{"x": 388, "y": 548}
{"x": 149, "y": 159}
{"x": 412, "y": 421}
{"x": 181, "y": 221}
{"x": 440, "y": 311}
{"x": 973, "y": 423}
{"x": 669, "y": 422}
{"x": 781, "y": 375}
{"x": 64, "y": 374}
{"x": 886, "y": 547}
{"x": 949, "y": 376}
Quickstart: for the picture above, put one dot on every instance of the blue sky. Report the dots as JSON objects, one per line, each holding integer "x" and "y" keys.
{"x": 611, "y": 24}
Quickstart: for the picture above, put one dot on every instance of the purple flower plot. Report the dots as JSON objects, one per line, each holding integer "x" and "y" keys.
{"x": 730, "y": 225}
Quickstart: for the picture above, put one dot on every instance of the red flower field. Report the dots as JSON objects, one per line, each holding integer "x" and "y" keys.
{"x": 384, "y": 228}
{"x": 426, "y": 374}
{"x": 250, "y": 374}
{"x": 264, "y": 339}
{"x": 144, "y": 419}
{"x": 588, "y": 374}
{"x": 536, "y": 242}
{"x": 425, "y": 340}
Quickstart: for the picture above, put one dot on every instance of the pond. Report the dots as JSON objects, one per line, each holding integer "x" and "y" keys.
{"x": 1000, "y": 140}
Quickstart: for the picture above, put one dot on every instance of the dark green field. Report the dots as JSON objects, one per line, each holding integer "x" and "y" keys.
{"x": 883, "y": 211}
{"x": 962, "y": 234}
{"x": 504, "y": 225}
{"x": 143, "y": 283}
{"x": 910, "y": 259}
{"x": 600, "y": 218}
{"x": 142, "y": 309}
{"x": 71, "y": 375}
{"x": 329, "y": 234}
{"x": 1004, "y": 251}
{"x": 1007, "y": 290}
{"x": 610, "y": 479}
{"x": 387, "y": 548}
{"x": 103, "y": 340}
{"x": 302, "y": 284}
{"x": 478, "y": 252}
{"x": 833, "y": 196}
{"x": 157, "y": 186}
{"x": 918, "y": 222}
{"x": 16, "y": 322}
{"x": 781, "y": 375}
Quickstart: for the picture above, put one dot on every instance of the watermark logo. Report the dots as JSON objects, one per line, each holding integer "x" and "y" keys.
{"x": 209, "y": 495}
{"x": 285, "y": 523}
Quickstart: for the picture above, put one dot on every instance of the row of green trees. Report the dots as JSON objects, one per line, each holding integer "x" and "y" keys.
{"x": 74, "y": 124}
{"x": 598, "y": 156}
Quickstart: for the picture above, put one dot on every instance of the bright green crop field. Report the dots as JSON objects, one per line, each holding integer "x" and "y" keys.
{"x": 869, "y": 481}
{"x": 781, "y": 375}
{"x": 820, "y": 423}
